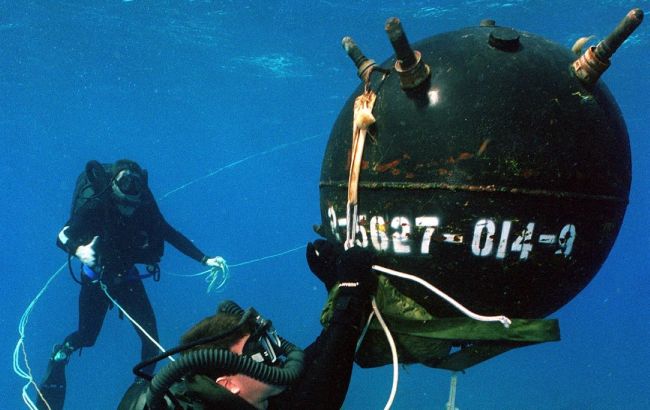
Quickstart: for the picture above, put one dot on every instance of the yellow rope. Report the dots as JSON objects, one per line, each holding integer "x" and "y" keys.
{"x": 363, "y": 119}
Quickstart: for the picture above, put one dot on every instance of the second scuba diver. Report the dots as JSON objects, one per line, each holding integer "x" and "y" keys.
{"x": 115, "y": 224}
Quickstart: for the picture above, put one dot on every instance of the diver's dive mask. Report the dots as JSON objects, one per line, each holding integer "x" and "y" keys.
{"x": 128, "y": 187}
{"x": 264, "y": 344}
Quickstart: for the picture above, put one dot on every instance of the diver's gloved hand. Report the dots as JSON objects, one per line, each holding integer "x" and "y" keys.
{"x": 357, "y": 284}
{"x": 321, "y": 258}
{"x": 87, "y": 254}
{"x": 216, "y": 262}
{"x": 354, "y": 272}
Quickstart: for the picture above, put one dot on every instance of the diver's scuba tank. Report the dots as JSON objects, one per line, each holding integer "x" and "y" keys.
{"x": 497, "y": 168}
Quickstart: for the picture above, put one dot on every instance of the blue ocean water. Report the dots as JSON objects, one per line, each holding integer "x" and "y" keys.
{"x": 239, "y": 97}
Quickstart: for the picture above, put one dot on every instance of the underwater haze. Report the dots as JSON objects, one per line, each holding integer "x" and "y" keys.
{"x": 229, "y": 105}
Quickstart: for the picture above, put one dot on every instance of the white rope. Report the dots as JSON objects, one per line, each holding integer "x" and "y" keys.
{"x": 124, "y": 312}
{"x": 364, "y": 331}
{"x": 237, "y": 162}
{"x": 391, "y": 343}
{"x": 268, "y": 257}
{"x": 393, "y": 351}
{"x": 351, "y": 217}
{"x": 218, "y": 277}
{"x": 503, "y": 319}
{"x": 451, "y": 403}
{"x": 20, "y": 346}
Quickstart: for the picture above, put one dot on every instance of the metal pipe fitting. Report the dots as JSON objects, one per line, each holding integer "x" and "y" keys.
{"x": 593, "y": 63}
{"x": 362, "y": 63}
{"x": 409, "y": 65}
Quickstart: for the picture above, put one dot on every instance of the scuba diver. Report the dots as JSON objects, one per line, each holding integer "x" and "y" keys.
{"x": 236, "y": 360}
{"x": 115, "y": 223}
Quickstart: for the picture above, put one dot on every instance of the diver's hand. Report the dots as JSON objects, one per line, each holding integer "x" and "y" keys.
{"x": 354, "y": 272}
{"x": 216, "y": 262}
{"x": 321, "y": 258}
{"x": 357, "y": 283}
{"x": 87, "y": 254}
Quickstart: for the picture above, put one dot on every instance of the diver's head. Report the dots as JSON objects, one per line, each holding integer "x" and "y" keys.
{"x": 240, "y": 355}
{"x": 129, "y": 185}
{"x": 253, "y": 337}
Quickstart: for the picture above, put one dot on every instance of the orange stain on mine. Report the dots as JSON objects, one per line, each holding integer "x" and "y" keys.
{"x": 385, "y": 167}
{"x": 483, "y": 147}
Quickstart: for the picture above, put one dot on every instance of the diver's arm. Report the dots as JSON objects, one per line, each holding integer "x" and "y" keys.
{"x": 329, "y": 360}
{"x": 80, "y": 229}
{"x": 181, "y": 242}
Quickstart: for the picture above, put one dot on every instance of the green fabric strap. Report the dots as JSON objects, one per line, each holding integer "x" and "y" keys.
{"x": 454, "y": 343}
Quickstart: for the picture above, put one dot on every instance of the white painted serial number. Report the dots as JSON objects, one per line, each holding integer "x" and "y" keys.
{"x": 402, "y": 235}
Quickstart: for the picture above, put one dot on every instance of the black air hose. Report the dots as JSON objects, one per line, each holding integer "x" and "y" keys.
{"x": 209, "y": 359}
{"x": 230, "y": 307}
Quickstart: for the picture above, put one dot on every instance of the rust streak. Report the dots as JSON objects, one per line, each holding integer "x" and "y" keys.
{"x": 483, "y": 147}
{"x": 385, "y": 167}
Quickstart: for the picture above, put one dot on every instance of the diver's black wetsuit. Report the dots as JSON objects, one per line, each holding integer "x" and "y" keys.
{"x": 328, "y": 362}
{"x": 123, "y": 242}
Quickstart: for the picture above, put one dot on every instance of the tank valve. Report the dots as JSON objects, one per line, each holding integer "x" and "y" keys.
{"x": 409, "y": 65}
{"x": 589, "y": 67}
{"x": 363, "y": 63}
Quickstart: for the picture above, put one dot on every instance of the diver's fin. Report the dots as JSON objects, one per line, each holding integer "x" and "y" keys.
{"x": 53, "y": 386}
